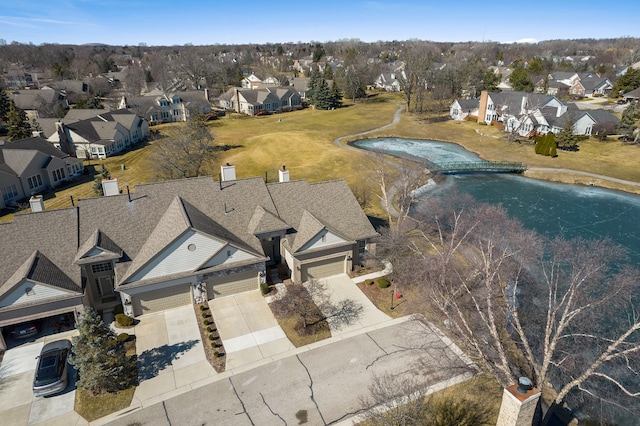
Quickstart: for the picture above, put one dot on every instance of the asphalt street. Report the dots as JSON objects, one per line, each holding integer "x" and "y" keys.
{"x": 321, "y": 386}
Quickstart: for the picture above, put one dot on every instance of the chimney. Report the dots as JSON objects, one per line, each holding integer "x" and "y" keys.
{"x": 110, "y": 187}
{"x": 206, "y": 94}
{"x": 283, "y": 174}
{"x": 482, "y": 108}
{"x": 519, "y": 403}
{"x": 237, "y": 100}
{"x": 227, "y": 173}
{"x": 37, "y": 203}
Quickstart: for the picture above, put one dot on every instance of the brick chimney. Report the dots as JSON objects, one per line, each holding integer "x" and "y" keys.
{"x": 519, "y": 403}
{"x": 283, "y": 174}
{"x": 37, "y": 203}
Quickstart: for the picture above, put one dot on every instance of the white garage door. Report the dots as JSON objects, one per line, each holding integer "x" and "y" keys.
{"x": 322, "y": 268}
{"x": 232, "y": 284}
{"x": 159, "y": 300}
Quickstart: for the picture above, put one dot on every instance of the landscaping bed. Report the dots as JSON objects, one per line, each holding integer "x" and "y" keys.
{"x": 211, "y": 341}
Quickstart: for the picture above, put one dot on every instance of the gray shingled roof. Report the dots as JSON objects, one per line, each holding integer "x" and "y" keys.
{"x": 264, "y": 222}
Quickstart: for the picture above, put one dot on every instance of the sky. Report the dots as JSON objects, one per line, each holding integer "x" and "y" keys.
{"x": 202, "y": 22}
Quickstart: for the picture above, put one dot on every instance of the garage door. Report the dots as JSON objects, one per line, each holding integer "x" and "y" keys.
{"x": 322, "y": 268}
{"x": 159, "y": 300}
{"x": 232, "y": 284}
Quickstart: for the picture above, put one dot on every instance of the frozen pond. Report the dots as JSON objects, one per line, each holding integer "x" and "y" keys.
{"x": 549, "y": 208}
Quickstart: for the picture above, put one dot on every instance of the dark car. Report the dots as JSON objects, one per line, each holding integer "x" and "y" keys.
{"x": 622, "y": 102}
{"x": 52, "y": 372}
{"x": 23, "y": 331}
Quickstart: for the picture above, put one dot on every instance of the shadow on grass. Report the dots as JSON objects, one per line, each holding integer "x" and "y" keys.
{"x": 152, "y": 361}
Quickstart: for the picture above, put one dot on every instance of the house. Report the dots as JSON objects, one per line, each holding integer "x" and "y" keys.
{"x": 300, "y": 84}
{"x": 33, "y": 166}
{"x": 389, "y": 81}
{"x": 587, "y": 123}
{"x": 39, "y": 103}
{"x": 171, "y": 243}
{"x": 258, "y": 101}
{"x": 251, "y": 82}
{"x": 462, "y": 108}
{"x": 168, "y": 108}
{"x": 596, "y": 86}
{"x": 632, "y": 96}
{"x": 101, "y": 136}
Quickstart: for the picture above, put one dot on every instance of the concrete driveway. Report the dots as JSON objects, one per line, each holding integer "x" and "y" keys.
{"x": 18, "y": 406}
{"x": 248, "y": 329}
{"x": 171, "y": 359}
{"x": 341, "y": 287}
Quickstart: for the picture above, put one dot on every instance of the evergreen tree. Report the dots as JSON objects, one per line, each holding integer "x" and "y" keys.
{"x": 336, "y": 95}
{"x": 327, "y": 73}
{"x": 314, "y": 82}
{"x": 546, "y": 145}
{"x": 4, "y": 105}
{"x": 97, "y": 182}
{"x": 322, "y": 95}
{"x": 627, "y": 82}
{"x": 566, "y": 139}
{"x": 520, "y": 80}
{"x": 101, "y": 361}
{"x": 627, "y": 124}
{"x": 19, "y": 127}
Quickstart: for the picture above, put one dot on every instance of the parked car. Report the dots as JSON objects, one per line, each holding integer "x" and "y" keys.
{"x": 622, "y": 102}
{"x": 23, "y": 331}
{"x": 52, "y": 372}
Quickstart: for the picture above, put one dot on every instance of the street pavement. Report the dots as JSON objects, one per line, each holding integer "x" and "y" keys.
{"x": 318, "y": 384}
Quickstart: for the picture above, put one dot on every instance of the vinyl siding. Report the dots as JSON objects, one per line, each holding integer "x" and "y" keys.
{"x": 38, "y": 292}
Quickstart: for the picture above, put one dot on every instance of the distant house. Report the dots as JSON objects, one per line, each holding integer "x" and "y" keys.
{"x": 389, "y": 81}
{"x": 596, "y": 86}
{"x": 462, "y": 108}
{"x": 251, "y": 82}
{"x": 101, "y": 136}
{"x": 33, "y": 166}
{"x": 39, "y": 103}
{"x": 168, "y": 108}
{"x": 586, "y": 123}
{"x": 258, "y": 101}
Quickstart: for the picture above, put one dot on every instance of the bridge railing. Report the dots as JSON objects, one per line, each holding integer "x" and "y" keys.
{"x": 478, "y": 166}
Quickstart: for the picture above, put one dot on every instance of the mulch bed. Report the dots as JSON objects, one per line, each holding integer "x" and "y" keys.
{"x": 213, "y": 347}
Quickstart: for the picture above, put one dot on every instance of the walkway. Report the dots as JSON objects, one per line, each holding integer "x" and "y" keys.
{"x": 581, "y": 173}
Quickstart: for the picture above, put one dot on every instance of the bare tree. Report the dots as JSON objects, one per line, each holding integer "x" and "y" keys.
{"x": 560, "y": 312}
{"x": 189, "y": 152}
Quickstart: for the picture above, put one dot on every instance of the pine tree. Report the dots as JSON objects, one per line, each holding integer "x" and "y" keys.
{"x": 19, "y": 127}
{"x": 4, "y": 105}
{"x": 566, "y": 139}
{"x": 336, "y": 95}
{"x": 627, "y": 124}
{"x": 314, "y": 82}
{"x": 97, "y": 182}
{"x": 327, "y": 73}
{"x": 101, "y": 361}
{"x": 322, "y": 96}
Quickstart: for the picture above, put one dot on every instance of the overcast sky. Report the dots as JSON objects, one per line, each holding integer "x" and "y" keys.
{"x": 178, "y": 22}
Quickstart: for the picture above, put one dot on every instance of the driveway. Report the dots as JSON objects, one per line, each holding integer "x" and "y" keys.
{"x": 248, "y": 329}
{"x": 341, "y": 287}
{"x": 171, "y": 359}
{"x": 18, "y": 406}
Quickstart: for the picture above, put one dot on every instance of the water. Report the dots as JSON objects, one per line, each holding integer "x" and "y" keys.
{"x": 551, "y": 209}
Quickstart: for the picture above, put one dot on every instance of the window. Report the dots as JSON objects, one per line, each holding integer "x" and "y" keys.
{"x": 34, "y": 181}
{"x": 104, "y": 285}
{"x": 587, "y": 131}
{"x": 362, "y": 247}
{"x": 9, "y": 193}
{"x": 101, "y": 267}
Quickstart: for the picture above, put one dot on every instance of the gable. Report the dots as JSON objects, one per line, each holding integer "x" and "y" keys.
{"x": 185, "y": 254}
{"x": 30, "y": 292}
{"x": 323, "y": 238}
{"x": 227, "y": 255}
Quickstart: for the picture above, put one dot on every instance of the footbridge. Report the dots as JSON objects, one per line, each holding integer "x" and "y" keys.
{"x": 478, "y": 167}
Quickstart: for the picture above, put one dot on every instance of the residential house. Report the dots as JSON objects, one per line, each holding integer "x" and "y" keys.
{"x": 632, "y": 96}
{"x": 39, "y": 103}
{"x": 100, "y": 136}
{"x": 461, "y": 108}
{"x": 300, "y": 84}
{"x": 587, "y": 122}
{"x": 251, "y": 82}
{"x": 168, "y": 108}
{"x": 596, "y": 86}
{"x": 389, "y": 81}
{"x": 259, "y": 101}
{"x": 171, "y": 243}
{"x": 33, "y": 166}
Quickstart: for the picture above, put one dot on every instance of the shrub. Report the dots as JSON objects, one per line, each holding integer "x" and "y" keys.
{"x": 206, "y": 322}
{"x": 264, "y": 288}
{"x": 209, "y": 329}
{"x": 122, "y": 337}
{"x": 383, "y": 283}
{"x": 204, "y": 315}
{"x": 213, "y": 345}
{"x": 124, "y": 320}
{"x": 211, "y": 337}
{"x": 370, "y": 282}
{"x": 201, "y": 308}
{"x": 216, "y": 353}
{"x": 118, "y": 309}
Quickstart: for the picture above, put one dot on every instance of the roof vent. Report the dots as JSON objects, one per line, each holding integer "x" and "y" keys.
{"x": 110, "y": 187}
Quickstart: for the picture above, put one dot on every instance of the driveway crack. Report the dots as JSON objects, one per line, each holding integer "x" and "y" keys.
{"x": 311, "y": 389}
{"x": 244, "y": 409}
{"x": 166, "y": 414}
{"x": 264, "y": 401}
